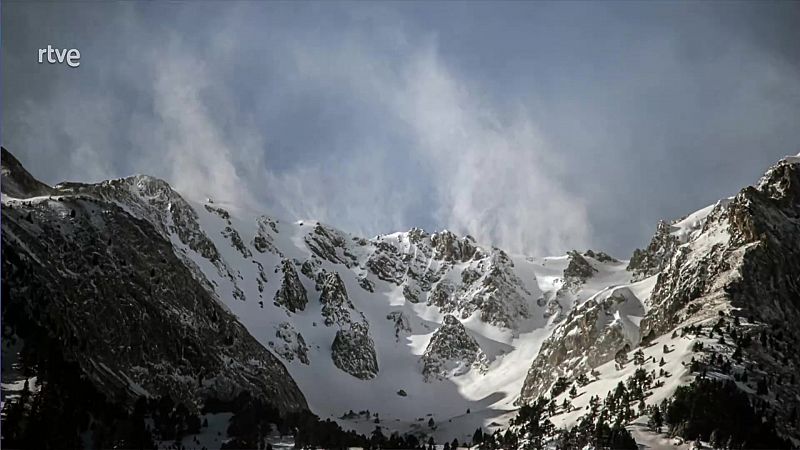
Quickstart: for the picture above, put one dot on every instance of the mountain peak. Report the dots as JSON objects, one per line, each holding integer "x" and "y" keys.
{"x": 17, "y": 181}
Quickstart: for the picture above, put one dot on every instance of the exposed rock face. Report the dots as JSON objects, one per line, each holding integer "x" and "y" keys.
{"x": 448, "y": 247}
{"x": 740, "y": 258}
{"x": 592, "y": 334}
{"x": 442, "y": 295}
{"x": 312, "y": 268}
{"x": 262, "y": 279}
{"x": 120, "y": 303}
{"x": 387, "y": 263}
{"x": 264, "y": 240}
{"x": 499, "y": 295}
{"x": 229, "y": 232}
{"x": 121, "y": 279}
{"x": 748, "y": 256}
{"x": 412, "y": 293}
{"x": 600, "y": 256}
{"x": 337, "y": 309}
{"x": 17, "y": 182}
{"x": 746, "y": 262}
{"x": 354, "y": 352}
{"x": 653, "y": 259}
{"x": 236, "y": 241}
{"x": 578, "y": 268}
{"x": 420, "y": 263}
{"x": 330, "y": 244}
{"x": 153, "y": 200}
{"x": 575, "y": 275}
{"x": 401, "y": 324}
{"x": 292, "y": 294}
{"x": 290, "y": 344}
{"x": 695, "y": 270}
{"x": 451, "y": 351}
{"x": 222, "y": 213}
{"x": 366, "y": 284}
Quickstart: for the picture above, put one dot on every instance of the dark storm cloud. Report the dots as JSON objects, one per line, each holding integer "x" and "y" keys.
{"x": 535, "y": 126}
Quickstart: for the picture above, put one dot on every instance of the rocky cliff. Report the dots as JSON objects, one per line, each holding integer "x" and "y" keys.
{"x": 86, "y": 278}
{"x": 729, "y": 271}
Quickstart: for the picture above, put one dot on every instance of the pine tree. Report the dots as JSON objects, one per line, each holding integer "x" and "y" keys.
{"x": 638, "y": 357}
{"x": 477, "y": 437}
{"x": 656, "y": 419}
{"x": 621, "y": 438}
{"x": 509, "y": 439}
{"x": 559, "y": 386}
{"x": 377, "y": 439}
{"x": 533, "y": 424}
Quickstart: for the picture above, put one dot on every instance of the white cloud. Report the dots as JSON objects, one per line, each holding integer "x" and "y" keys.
{"x": 200, "y": 160}
{"x": 423, "y": 146}
{"x": 356, "y": 117}
{"x": 492, "y": 178}
{"x": 496, "y": 180}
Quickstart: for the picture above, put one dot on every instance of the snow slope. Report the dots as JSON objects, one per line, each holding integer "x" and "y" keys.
{"x": 532, "y": 295}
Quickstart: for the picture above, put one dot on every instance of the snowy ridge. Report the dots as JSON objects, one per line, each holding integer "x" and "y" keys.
{"x": 436, "y": 334}
{"x": 403, "y": 285}
{"x": 725, "y": 271}
{"x": 691, "y": 226}
{"x": 371, "y": 335}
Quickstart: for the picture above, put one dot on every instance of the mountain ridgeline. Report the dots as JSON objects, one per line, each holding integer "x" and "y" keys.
{"x": 136, "y": 317}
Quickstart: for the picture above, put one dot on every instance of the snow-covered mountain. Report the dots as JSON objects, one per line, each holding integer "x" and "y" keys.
{"x": 450, "y": 323}
{"x": 717, "y": 295}
{"x": 415, "y": 325}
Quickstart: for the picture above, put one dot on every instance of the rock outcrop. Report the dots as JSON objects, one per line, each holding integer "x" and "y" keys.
{"x": 652, "y": 260}
{"x": 451, "y": 352}
{"x": 290, "y": 344}
{"x": 337, "y": 309}
{"x": 590, "y": 335}
{"x": 730, "y": 270}
{"x": 291, "y": 295}
{"x": 354, "y": 352}
{"x": 103, "y": 288}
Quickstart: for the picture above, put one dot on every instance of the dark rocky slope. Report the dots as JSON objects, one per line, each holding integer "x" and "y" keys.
{"x": 736, "y": 278}
{"x": 103, "y": 292}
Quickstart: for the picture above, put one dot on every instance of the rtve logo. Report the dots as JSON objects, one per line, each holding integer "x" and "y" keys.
{"x": 72, "y": 56}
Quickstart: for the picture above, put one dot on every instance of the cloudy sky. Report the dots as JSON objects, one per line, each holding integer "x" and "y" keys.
{"x": 538, "y": 127}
